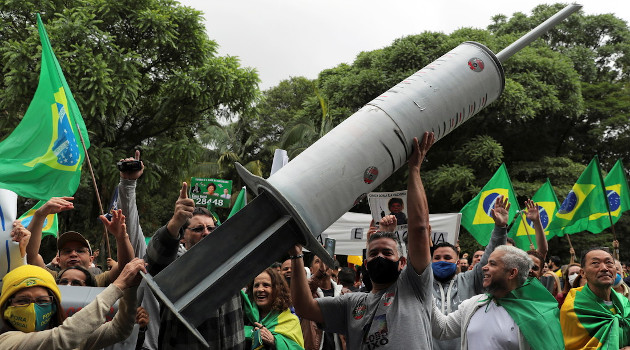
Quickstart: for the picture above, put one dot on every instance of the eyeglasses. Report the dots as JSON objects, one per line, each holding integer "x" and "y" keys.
{"x": 200, "y": 229}
{"x": 68, "y": 282}
{"x": 79, "y": 251}
{"x": 23, "y": 301}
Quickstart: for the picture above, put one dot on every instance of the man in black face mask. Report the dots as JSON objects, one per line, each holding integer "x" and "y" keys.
{"x": 396, "y": 313}
{"x": 449, "y": 288}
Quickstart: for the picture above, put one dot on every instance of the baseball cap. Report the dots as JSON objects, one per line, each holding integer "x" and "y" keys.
{"x": 73, "y": 236}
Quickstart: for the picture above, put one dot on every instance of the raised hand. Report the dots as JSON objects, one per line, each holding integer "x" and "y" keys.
{"x": 133, "y": 175}
{"x": 129, "y": 276}
{"x": 388, "y": 223}
{"x": 55, "y": 205}
{"x": 500, "y": 212}
{"x": 184, "y": 208}
{"x": 532, "y": 213}
{"x": 21, "y": 235}
{"x": 117, "y": 225}
{"x": 420, "y": 149}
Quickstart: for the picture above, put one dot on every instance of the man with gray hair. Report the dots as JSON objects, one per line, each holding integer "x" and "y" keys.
{"x": 516, "y": 312}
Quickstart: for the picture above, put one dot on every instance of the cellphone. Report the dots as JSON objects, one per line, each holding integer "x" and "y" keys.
{"x": 129, "y": 165}
{"x": 329, "y": 245}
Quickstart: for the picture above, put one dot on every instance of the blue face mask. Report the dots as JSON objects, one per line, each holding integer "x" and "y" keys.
{"x": 617, "y": 280}
{"x": 443, "y": 270}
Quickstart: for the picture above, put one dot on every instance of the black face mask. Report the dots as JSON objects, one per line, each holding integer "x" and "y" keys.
{"x": 383, "y": 270}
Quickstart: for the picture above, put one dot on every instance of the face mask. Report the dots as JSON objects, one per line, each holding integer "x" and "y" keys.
{"x": 443, "y": 270}
{"x": 617, "y": 281}
{"x": 383, "y": 270}
{"x": 30, "y": 318}
{"x": 572, "y": 279}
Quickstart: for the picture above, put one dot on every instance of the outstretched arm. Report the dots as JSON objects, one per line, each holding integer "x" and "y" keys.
{"x": 118, "y": 228}
{"x": 533, "y": 214}
{"x": 303, "y": 302}
{"x": 418, "y": 229}
{"x": 53, "y": 206}
{"x": 127, "y": 202}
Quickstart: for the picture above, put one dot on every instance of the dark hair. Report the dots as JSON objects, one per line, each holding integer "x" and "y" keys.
{"x": 565, "y": 278}
{"x": 512, "y": 242}
{"x": 390, "y": 235}
{"x": 540, "y": 257}
{"x": 281, "y": 293}
{"x": 90, "y": 281}
{"x": 394, "y": 201}
{"x": 276, "y": 265}
{"x": 555, "y": 260}
{"x": 211, "y": 184}
{"x": 346, "y": 276}
{"x": 442, "y": 245}
{"x": 200, "y": 211}
{"x": 583, "y": 260}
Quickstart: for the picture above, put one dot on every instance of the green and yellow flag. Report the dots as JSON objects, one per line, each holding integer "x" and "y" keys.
{"x": 547, "y": 202}
{"x": 618, "y": 197}
{"x": 586, "y": 197}
{"x": 588, "y": 323}
{"x": 476, "y": 215}
{"x": 284, "y": 326}
{"x": 42, "y": 157}
{"x": 51, "y": 227}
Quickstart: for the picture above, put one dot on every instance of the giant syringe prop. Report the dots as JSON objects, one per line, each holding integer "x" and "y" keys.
{"x": 297, "y": 203}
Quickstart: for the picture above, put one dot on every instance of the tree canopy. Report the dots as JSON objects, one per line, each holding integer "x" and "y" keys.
{"x": 146, "y": 75}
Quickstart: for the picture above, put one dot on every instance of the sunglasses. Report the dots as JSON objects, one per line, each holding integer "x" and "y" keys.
{"x": 200, "y": 229}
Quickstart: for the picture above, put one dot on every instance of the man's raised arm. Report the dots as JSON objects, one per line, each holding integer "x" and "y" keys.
{"x": 418, "y": 229}
{"x": 53, "y": 206}
{"x": 533, "y": 214}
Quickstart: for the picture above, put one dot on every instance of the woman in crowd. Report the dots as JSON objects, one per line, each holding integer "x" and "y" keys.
{"x": 269, "y": 324}
{"x": 32, "y": 316}
{"x": 76, "y": 276}
{"x": 569, "y": 278}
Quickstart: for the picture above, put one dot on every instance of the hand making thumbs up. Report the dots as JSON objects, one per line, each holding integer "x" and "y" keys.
{"x": 183, "y": 211}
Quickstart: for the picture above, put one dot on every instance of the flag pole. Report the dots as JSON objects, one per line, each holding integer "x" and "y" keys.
{"x": 612, "y": 226}
{"x": 573, "y": 250}
{"x": 98, "y": 196}
{"x": 531, "y": 244}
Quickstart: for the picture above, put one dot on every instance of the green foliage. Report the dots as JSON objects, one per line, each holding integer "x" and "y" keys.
{"x": 145, "y": 76}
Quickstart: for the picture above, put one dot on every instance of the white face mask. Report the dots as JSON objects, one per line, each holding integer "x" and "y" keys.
{"x": 572, "y": 278}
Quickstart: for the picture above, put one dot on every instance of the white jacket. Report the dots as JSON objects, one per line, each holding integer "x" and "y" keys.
{"x": 455, "y": 324}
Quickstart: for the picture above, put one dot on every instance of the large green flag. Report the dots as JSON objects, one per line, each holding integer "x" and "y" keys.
{"x": 42, "y": 157}
{"x": 476, "y": 214}
{"x": 240, "y": 202}
{"x": 547, "y": 203}
{"x": 618, "y": 197}
{"x": 50, "y": 226}
{"x": 586, "y": 197}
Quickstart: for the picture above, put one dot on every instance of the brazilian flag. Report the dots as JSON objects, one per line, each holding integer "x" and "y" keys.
{"x": 476, "y": 215}
{"x": 586, "y": 198}
{"x": 50, "y": 228}
{"x": 284, "y": 326}
{"x": 588, "y": 323}
{"x": 42, "y": 157}
{"x": 618, "y": 199}
{"x": 547, "y": 203}
{"x": 240, "y": 202}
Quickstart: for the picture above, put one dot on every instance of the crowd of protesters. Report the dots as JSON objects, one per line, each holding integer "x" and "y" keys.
{"x": 405, "y": 296}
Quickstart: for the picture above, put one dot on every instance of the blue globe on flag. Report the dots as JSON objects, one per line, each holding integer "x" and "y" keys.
{"x": 488, "y": 203}
{"x": 613, "y": 199}
{"x": 544, "y": 218}
{"x": 569, "y": 203}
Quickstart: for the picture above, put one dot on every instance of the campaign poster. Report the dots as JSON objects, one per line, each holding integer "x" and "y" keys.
{"x": 211, "y": 192}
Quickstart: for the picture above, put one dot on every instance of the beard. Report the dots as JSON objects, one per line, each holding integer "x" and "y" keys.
{"x": 496, "y": 285}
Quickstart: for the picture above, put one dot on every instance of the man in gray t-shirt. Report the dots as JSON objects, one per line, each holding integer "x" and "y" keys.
{"x": 396, "y": 314}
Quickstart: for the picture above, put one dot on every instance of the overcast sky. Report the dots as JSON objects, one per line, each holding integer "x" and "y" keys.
{"x": 284, "y": 38}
